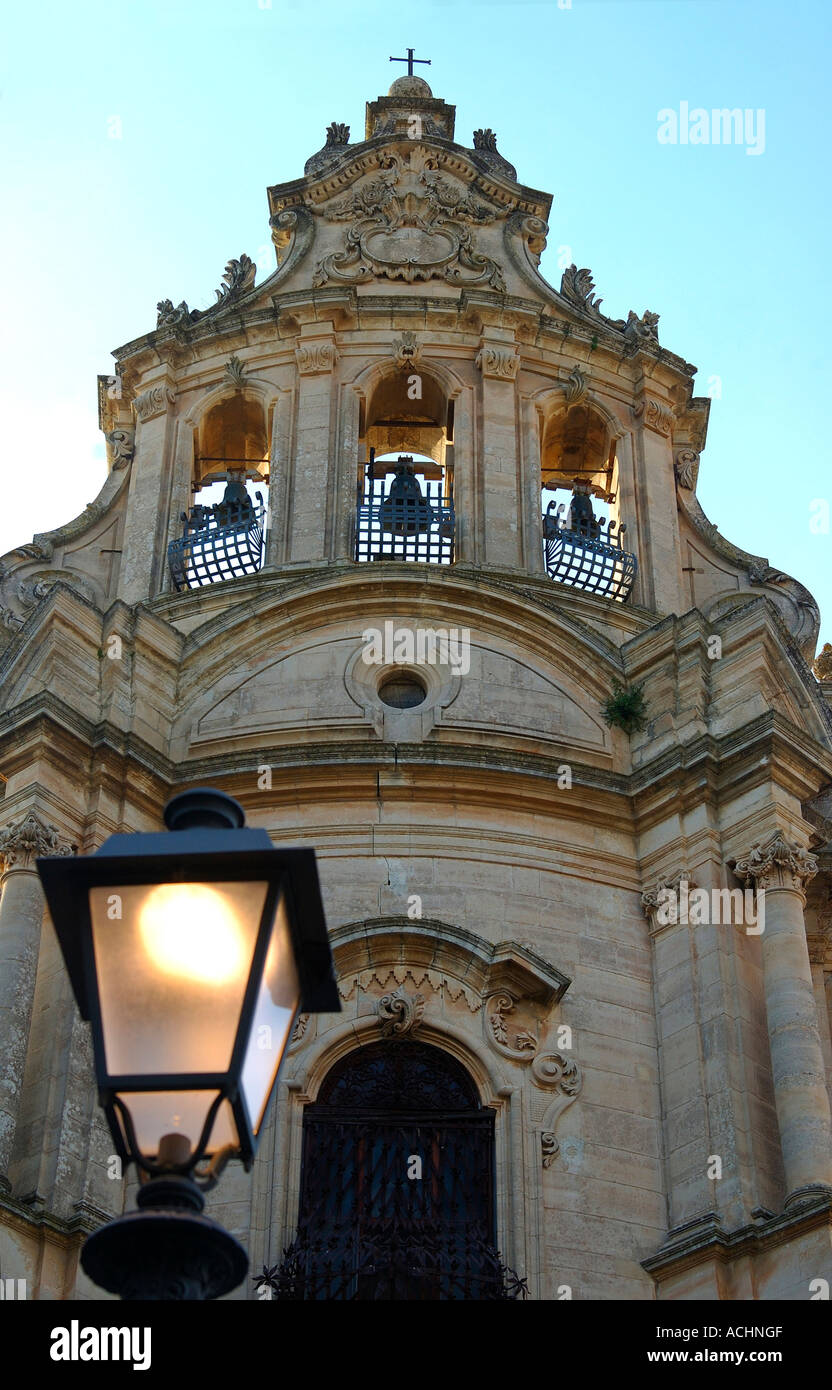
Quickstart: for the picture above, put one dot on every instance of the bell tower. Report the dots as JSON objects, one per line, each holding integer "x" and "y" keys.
{"x": 400, "y": 545}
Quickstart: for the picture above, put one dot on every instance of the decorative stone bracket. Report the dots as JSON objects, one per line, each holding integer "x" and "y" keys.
{"x": 554, "y": 1071}
{"x": 654, "y": 416}
{"x": 316, "y": 358}
{"x": 498, "y": 362}
{"x": 154, "y": 401}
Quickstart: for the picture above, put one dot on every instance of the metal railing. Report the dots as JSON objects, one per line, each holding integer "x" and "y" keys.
{"x": 404, "y": 523}
{"x": 587, "y": 554}
{"x": 217, "y": 543}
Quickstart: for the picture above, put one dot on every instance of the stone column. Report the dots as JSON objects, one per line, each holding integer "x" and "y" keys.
{"x": 660, "y": 549}
{"x": 531, "y": 500}
{"x": 781, "y": 871}
{"x": 21, "y": 915}
{"x": 498, "y": 362}
{"x": 277, "y": 541}
{"x": 312, "y": 501}
{"x": 148, "y": 501}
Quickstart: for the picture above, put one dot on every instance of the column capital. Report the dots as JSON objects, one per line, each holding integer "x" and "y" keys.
{"x": 24, "y": 840}
{"x": 654, "y": 898}
{"x": 778, "y": 864}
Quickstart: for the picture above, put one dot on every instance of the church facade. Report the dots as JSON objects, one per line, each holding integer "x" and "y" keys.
{"x": 401, "y": 547}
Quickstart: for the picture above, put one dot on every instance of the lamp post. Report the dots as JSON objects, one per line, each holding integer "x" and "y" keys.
{"x": 191, "y": 953}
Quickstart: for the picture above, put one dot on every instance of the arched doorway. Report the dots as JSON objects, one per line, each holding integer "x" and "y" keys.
{"x": 397, "y": 1184}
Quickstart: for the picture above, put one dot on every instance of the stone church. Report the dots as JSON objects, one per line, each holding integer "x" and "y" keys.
{"x": 400, "y": 545}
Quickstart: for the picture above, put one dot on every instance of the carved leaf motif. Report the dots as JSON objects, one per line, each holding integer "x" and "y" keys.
{"x": 238, "y": 276}
{"x": 235, "y": 372}
{"x": 578, "y": 286}
{"x": 28, "y": 839}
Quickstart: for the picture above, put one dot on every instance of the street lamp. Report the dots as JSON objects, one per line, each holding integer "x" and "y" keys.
{"x": 191, "y": 952}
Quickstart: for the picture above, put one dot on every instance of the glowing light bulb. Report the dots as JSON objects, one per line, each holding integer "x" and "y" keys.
{"x": 191, "y": 930}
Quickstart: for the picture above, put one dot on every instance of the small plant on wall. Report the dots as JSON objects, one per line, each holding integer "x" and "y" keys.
{"x": 625, "y": 708}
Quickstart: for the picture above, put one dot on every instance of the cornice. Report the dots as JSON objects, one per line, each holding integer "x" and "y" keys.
{"x": 704, "y": 1238}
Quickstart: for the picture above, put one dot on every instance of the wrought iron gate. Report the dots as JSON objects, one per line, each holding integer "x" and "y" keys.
{"x": 397, "y": 1185}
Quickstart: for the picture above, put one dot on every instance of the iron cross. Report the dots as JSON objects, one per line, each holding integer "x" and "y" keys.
{"x": 410, "y": 60}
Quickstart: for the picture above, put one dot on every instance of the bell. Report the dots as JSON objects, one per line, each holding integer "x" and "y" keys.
{"x": 404, "y": 510}
{"x": 582, "y": 518}
{"x": 236, "y": 508}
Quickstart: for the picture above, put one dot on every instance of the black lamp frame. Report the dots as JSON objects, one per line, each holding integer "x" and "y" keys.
{"x": 193, "y": 856}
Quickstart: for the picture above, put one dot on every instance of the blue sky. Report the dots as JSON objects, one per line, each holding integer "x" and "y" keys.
{"x": 139, "y": 139}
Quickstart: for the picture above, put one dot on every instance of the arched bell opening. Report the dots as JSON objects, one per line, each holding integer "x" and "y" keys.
{"x": 582, "y": 528}
{"x": 223, "y": 532}
{"x": 404, "y": 504}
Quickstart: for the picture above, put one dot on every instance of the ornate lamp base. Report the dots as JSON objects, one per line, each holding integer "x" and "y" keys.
{"x": 165, "y": 1250}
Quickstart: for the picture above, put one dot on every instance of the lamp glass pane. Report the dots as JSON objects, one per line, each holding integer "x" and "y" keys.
{"x": 155, "y": 1113}
{"x": 172, "y": 961}
{"x": 274, "y": 1015}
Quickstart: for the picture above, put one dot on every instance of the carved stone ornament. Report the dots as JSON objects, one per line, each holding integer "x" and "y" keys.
{"x": 577, "y": 286}
{"x": 406, "y": 351}
{"x": 641, "y": 332}
{"x": 555, "y": 1071}
{"x": 520, "y": 1044}
{"x": 778, "y": 864}
{"x": 153, "y": 402}
{"x": 299, "y": 1030}
{"x": 653, "y": 899}
{"x": 122, "y": 444}
{"x": 499, "y": 362}
{"x": 575, "y": 387}
{"x": 29, "y": 839}
{"x": 169, "y": 317}
{"x": 654, "y": 416}
{"x": 235, "y": 372}
{"x": 485, "y": 145}
{"x": 687, "y": 468}
{"x": 410, "y": 223}
{"x": 238, "y": 276}
{"x": 400, "y": 1013}
{"x": 822, "y": 665}
{"x": 314, "y": 358}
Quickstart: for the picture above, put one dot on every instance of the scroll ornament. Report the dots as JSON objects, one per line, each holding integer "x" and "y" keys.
{"x": 498, "y": 362}
{"x": 399, "y": 1013}
{"x": 153, "y": 402}
{"x": 122, "y": 445}
{"x": 655, "y": 416}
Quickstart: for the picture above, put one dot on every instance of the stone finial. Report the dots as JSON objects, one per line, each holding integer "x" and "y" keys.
{"x": 238, "y": 276}
{"x": 22, "y": 842}
{"x": 822, "y": 664}
{"x": 169, "y": 317}
{"x": 578, "y": 287}
{"x": 778, "y": 864}
{"x": 642, "y": 332}
{"x": 337, "y": 133}
{"x": 485, "y": 144}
